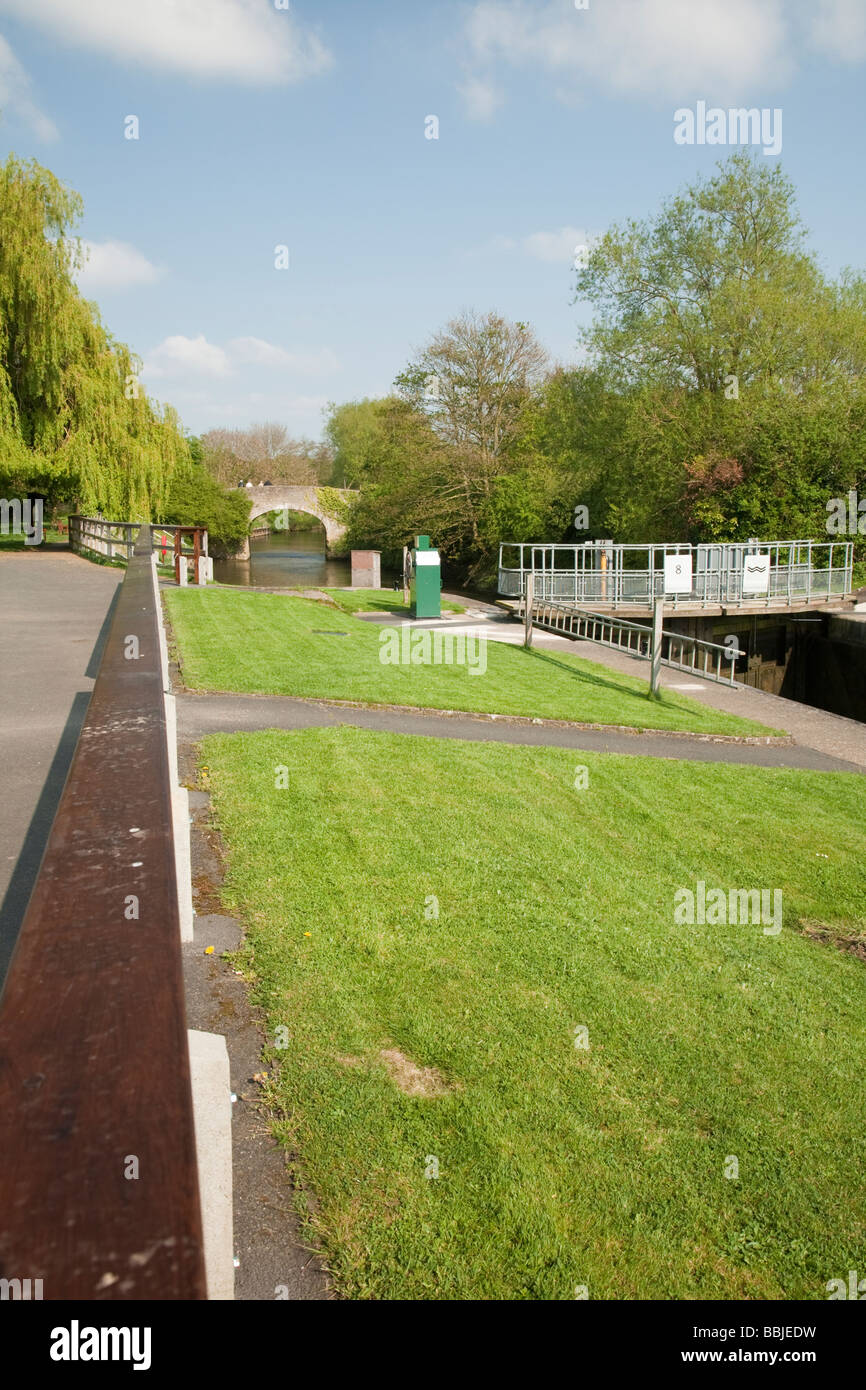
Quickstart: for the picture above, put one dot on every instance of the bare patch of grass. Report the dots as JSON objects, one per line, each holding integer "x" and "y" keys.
{"x": 412, "y": 1079}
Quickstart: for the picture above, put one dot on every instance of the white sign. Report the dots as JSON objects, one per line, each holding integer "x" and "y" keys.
{"x": 678, "y": 574}
{"x": 756, "y": 574}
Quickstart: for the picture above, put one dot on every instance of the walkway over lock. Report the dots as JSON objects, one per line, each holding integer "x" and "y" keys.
{"x": 749, "y": 576}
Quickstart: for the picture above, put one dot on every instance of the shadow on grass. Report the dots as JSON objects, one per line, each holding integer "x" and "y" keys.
{"x": 12, "y": 543}
{"x": 589, "y": 678}
{"x": 377, "y": 606}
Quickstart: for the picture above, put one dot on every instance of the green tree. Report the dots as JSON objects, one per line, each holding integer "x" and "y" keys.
{"x": 354, "y": 434}
{"x": 409, "y": 486}
{"x": 735, "y": 368}
{"x": 196, "y": 499}
{"x": 474, "y": 381}
{"x": 74, "y": 420}
{"x": 718, "y": 284}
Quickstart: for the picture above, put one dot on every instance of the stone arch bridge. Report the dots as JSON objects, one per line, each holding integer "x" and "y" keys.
{"x": 275, "y": 497}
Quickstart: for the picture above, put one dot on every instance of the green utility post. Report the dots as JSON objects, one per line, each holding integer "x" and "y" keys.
{"x": 426, "y": 586}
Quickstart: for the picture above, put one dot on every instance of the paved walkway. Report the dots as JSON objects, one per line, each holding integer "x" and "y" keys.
{"x": 53, "y": 612}
{"x": 838, "y": 739}
{"x": 198, "y": 715}
{"x": 830, "y": 734}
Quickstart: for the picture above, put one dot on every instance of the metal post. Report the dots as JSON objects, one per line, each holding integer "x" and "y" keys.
{"x": 527, "y": 614}
{"x": 656, "y": 661}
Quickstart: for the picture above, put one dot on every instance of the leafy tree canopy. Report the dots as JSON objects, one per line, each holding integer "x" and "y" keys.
{"x": 74, "y": 420}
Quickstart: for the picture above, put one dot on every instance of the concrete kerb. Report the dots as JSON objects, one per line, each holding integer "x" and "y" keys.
{"x": 180, "y": 825}
{"x": 212, "y": 1112}
{"x": 210, "y": 1077}
{"x": 163, "y": 643}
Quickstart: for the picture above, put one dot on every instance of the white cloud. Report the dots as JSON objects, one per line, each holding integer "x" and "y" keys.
{"x": 115, "y": 265}
{"x": 15, "y": 94}
{"x": 481, "y": 98}
{"x": 666, "y": 48}
{"x": 178, "y": 355}
{"x": 839, "y": 29}
{"x": 241, "y": 40}
{"x": 557, "y": 248}
{"x": 265, "y": 354}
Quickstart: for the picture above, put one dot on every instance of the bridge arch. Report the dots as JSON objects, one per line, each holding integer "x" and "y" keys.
{"x": 297, "y": 498}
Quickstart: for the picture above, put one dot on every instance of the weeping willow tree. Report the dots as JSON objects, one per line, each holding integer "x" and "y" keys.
{"x": 74, "y": 421}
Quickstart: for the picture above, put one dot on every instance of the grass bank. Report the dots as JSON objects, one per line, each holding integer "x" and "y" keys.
{"x": 379, "y": 601}
{"x": 478, "y": 974}
{"x": 275, "y": 645}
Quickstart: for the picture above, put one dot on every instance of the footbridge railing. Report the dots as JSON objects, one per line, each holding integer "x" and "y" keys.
{"x": 734, "y": 574}
{"x": 673, "y": 649}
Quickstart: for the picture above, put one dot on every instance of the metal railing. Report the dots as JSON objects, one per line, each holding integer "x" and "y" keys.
{"x": 634, "y": 575}
{"x": 682, "y": 653}
{"x": 98, "y": 1169}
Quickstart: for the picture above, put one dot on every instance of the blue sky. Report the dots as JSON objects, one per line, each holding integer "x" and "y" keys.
{"x": 305, "y": 127}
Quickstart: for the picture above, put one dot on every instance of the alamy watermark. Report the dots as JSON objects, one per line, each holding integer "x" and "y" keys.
{"x": 855, "y": 1288}
{"x": 23, "y": 1289}
{"x": 77, "y": 1343}
{"x": 737, "y": 907}
{"x": 846, "y": 516}
{"x": 22, "y": 518}
{"x": 408, "y": 646}
{"x": 739, "y": 125}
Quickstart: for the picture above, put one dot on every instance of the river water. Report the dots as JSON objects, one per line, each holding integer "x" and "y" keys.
{"x": 288, "y": 560}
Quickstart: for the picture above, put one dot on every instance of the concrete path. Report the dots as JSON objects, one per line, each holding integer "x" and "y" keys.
{"x": 198, "y": 715}
{"x": 832, "y": 736}
{"x": 53, "y": 619}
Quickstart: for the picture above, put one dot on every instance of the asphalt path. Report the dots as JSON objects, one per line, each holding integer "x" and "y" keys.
{"x": 53, "y": 620}
{"x": 199, "y": 715}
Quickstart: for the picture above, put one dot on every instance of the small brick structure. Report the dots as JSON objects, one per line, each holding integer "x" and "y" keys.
{"x": 366, "y": 569}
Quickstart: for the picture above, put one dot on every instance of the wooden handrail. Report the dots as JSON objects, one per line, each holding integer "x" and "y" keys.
{"x": 98, "y": 1178}
{"x": 106, "y": 541}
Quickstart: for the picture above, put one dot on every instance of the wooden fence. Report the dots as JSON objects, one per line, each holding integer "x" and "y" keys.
{"x": 179, "y": 545}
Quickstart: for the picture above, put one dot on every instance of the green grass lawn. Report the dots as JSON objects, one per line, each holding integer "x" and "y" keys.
{"x": 559, "y": 1166}
{"x": 379, "y": 601}
{"x": 370, "y": 600}
{"x": 9, "y": 541}
{"x": 275, "y": 645}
